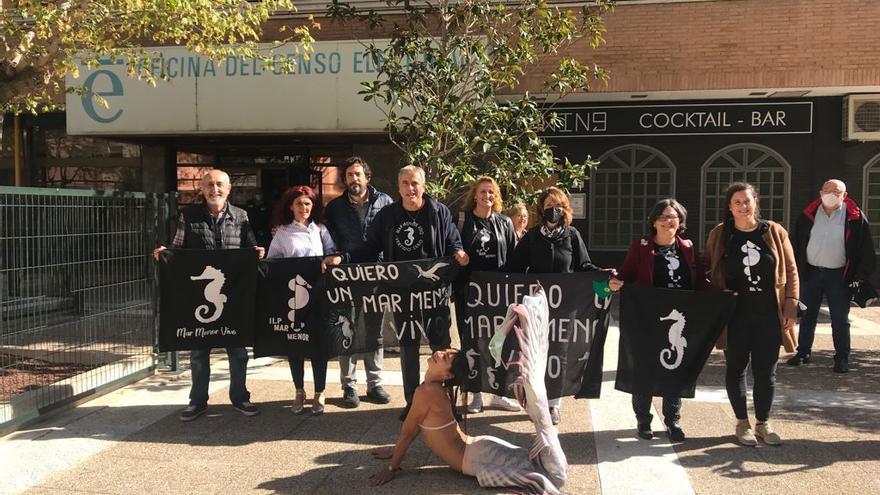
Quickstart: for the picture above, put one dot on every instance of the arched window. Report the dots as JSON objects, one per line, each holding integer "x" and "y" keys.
{"x": 754, "y": 163}
{"x": 871, "y": 198}
{"x": 628, "y": 181}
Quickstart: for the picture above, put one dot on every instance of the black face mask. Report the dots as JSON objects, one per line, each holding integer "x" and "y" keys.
{"x": 553, "y": 215}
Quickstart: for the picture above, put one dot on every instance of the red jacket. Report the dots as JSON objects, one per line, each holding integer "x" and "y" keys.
{"x": 638, "y": 267}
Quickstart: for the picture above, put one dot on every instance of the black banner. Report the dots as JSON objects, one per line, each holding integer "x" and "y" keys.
{"x": 684, "y": 119}
{"x": 578, "y": 325}
{"x": 666, "y": 337}
{"x": 207, "y": 298}
{"x": 289, "y": 307}
{"x": 413, "y": 294}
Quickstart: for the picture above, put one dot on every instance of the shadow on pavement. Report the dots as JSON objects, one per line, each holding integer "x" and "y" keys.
{"x": 728, "y": 459}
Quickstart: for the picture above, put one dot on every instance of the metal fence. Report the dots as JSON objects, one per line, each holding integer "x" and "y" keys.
{"x": 77, "y": 294}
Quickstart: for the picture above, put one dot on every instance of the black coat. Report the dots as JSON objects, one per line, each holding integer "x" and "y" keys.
{"x": 565, "y": 253}
{"x": 343, "y": 223}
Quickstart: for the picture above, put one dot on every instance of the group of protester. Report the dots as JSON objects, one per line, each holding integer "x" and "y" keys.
{"x": 773, "y": 275}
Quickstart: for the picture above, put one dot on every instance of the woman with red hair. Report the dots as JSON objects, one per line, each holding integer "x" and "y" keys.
{"x": 300, "y": 234}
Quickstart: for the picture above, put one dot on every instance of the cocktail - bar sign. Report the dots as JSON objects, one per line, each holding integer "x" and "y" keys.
{"x": 233, "y": 95}
{"x": 685, "y": 120}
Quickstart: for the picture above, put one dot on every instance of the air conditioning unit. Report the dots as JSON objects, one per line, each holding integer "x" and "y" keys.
{"x": 861, "y": 118}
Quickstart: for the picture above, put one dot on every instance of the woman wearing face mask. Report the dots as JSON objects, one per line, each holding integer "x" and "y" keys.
{"x": 663, "y": 259}
{"x": 553, "y": 246}
{"x": 754, "y": 258}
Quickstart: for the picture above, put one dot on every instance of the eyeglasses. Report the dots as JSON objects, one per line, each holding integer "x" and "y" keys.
{"x": 666, "y": 218}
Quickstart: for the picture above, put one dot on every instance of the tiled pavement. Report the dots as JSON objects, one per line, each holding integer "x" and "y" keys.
{"x": 130, "y": 441}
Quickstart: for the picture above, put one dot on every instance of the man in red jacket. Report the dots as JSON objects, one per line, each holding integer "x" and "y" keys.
{"x": 833, "y": 247}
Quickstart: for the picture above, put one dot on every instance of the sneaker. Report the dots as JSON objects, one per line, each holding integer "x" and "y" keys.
{"x": 841, "y": 365}
{"x": 378, "y": 395}
{"x": 799, "y": 359}
{"x": 675, "y": 433}
{"x": 503, "y": 403}
{"x": 644, "y": 431}
{"x": 766, "y": 433}
{"x": 192, "y": 412}
{"x": 246, "y": 408}
{"x": 476, "y": 404}
{"x": 350, "y": 398}
{"x": 744, "y": 433}
{"x": 554, "y": 415}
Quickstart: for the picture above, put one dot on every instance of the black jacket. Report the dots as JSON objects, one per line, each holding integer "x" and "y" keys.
{"x": 343, "y": 223}
{"x": 565, "y": 253}
{"x": 445, "y": 240}
{"x": 859, "y": 246}
{"x": 503, "y": 228}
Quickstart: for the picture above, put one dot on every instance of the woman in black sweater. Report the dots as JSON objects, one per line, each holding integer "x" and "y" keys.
{"x": 552, "y": 246}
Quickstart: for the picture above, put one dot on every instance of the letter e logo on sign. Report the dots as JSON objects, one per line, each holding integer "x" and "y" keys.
{"x": 88, "y": 100}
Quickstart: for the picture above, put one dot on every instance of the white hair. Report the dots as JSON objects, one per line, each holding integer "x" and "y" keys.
{"x": 411, "y": 169}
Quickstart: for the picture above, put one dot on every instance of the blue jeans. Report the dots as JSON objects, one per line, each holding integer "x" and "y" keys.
{"x": 200, "y": 362}
{"x": 830, "y": 283}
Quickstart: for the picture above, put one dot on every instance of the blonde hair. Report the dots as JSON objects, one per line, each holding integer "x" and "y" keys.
{"x": 470, "y": 201}
{"x": 561, "y": 198}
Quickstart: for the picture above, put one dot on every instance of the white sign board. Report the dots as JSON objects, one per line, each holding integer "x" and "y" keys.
{"x": 231, "y": 96}
{"x": 579, "y": 205}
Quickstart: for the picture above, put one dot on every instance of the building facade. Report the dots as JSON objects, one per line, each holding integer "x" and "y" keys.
{"x": 782, "y": 93}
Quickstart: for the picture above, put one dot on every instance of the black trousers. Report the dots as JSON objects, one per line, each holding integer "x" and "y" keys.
{"x": 752, "y": 337}
{"x": 642, "y": 408}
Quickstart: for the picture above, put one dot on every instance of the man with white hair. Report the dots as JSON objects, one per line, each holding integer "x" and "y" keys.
{"x": 833, "y": 247}
{"x": 215, "y": 224}
{"x": 414, "y": 227}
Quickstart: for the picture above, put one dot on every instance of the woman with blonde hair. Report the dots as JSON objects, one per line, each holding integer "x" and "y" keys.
{"x": 519, "y": 215}
{"x": 488, "y": 238}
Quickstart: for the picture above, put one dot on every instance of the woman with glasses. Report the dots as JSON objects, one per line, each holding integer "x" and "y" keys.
{"x": 663, "y": 259}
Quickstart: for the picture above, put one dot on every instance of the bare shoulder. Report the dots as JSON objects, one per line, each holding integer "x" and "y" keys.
{"x": 431, "y": 390}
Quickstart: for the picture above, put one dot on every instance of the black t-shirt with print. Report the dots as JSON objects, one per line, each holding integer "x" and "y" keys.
{"x": 412, "y": 236}
{"x": 750, "y": 271}
{"x": 483, "y": 252}
{"x": 671, "y": 271}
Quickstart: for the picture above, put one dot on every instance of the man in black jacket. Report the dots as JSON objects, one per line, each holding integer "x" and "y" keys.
{"x": 348, "y": 218}
{"x": 833, "y": 248}
{"x": 416, "y": 227}
{"x": 215, "y": 224}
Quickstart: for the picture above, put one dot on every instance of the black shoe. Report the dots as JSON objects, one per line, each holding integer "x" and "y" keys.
{"x": 350, "y": 398}
{"x": 676, "y": 434}
{"x": 645, "y": 432}
{"x": 841, "y": 365}
{"x": 554, "y": 415}
{"x": 403, "y": 414}
{"x": 192, "y": 412}
{"x": 246, "y": 408}
{"x": 799, "y": 359}
{"x": 378, "y": 395}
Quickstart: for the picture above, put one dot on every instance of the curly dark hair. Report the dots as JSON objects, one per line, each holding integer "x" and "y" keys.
{"x": 350, "y": 161}
{"x": 283, "y": 215}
